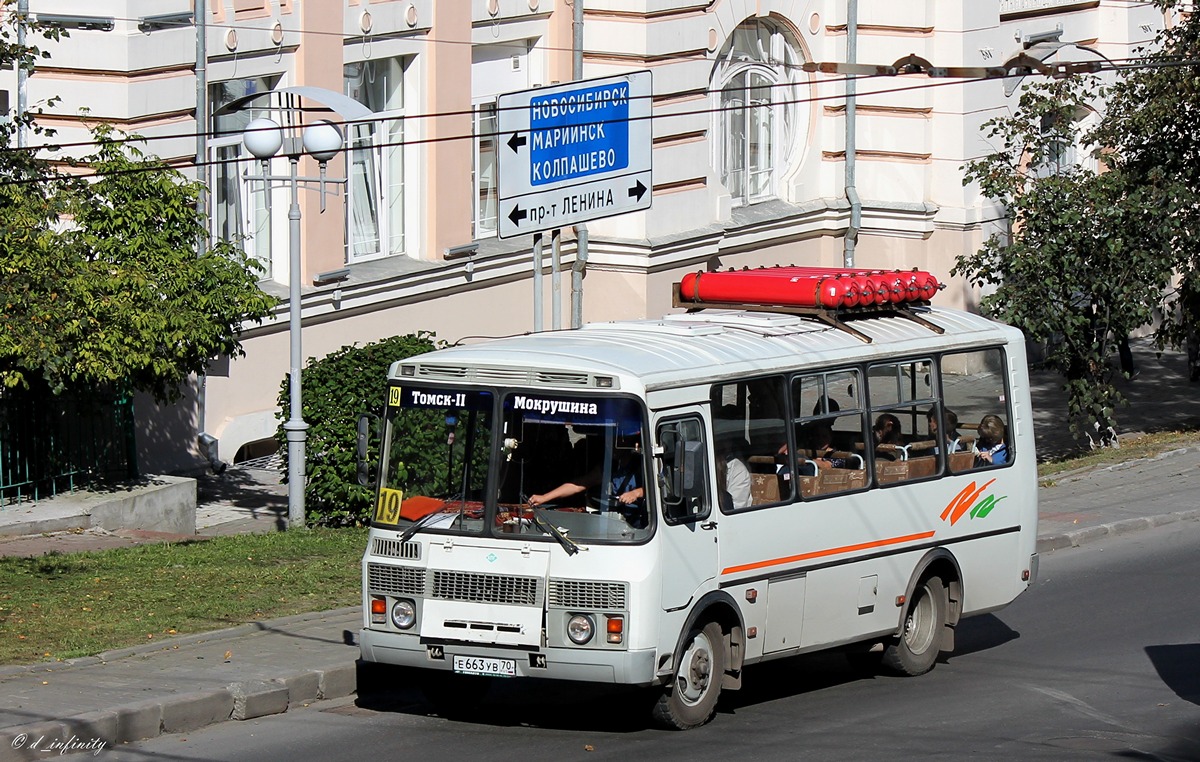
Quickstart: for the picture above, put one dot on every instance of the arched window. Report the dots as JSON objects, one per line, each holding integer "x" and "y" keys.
{"x": 757, "y": 122}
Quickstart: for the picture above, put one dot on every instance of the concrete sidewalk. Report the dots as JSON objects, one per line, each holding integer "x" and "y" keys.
{"x": 264, "y": 668}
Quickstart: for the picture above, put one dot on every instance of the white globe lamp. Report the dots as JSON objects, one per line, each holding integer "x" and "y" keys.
{"x": 322, "y": 140}
{"x": 262, "y": 138}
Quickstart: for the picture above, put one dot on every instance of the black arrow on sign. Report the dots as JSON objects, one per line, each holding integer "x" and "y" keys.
{"x": 517, "y": 215}
{"x": 516, "y": 141}
{"x": 638, "y": 190}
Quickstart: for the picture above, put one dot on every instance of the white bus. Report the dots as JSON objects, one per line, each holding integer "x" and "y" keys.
{"x": 664, "y": 502}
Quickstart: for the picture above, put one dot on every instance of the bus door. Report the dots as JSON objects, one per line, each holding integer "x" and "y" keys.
{"x": 688, "y": 533}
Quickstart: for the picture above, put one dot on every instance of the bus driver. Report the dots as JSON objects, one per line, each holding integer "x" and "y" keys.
{"x": 625, "y": 484}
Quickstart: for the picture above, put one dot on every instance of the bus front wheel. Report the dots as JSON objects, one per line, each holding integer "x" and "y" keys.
{"x": 916, "y": 650}
{"x": 692, "y": 696}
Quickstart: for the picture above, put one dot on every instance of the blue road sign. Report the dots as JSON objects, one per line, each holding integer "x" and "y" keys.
{"x": 578, "y": 134}
{"x": 574, "y": 152}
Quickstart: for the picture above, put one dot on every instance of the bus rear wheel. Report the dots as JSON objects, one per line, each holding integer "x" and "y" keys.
{"x": 916, "y": 650}
{"x": 691, "y": 699}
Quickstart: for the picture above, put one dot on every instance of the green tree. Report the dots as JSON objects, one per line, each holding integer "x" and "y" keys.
{"x": 1152, "y": 127}
{"x": 101, "y": 283}
{"x": 338, "y": 388}
{"x": 1078, "y": 269}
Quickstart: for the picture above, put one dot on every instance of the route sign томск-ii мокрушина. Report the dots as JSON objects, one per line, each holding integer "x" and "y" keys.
{"x": 573, "y": 153}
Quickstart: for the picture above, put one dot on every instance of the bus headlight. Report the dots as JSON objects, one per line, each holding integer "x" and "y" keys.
{"x": 404, "y": 614}
{"x": 580, "y": 629}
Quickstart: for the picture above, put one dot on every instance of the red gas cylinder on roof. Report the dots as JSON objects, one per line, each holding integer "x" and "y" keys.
{"x": 824, "y": 287}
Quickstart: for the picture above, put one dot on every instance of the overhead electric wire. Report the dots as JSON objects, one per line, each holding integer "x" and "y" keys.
{"x": 831, "y": 80}
{"x": 497, "y": 134}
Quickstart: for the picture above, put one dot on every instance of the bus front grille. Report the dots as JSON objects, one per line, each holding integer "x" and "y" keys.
{"x": 485, "y": 588}
{"x": 395, "y": 580}
{"x": 584, "y": 594}
{"x": 396, "y": 549}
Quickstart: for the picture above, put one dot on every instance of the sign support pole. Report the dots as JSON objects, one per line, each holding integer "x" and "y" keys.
{"x": 537, "y": 282}
{"x": 556, "y": 278}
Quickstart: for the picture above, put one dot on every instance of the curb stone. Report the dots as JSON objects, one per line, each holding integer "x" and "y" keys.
{"x": 19, "y": 744}
{"x": 185, "y": 713}
{"x": 1075, "y": 538}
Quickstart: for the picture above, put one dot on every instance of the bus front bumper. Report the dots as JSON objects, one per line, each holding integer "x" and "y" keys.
{"x": 631, "y": 667}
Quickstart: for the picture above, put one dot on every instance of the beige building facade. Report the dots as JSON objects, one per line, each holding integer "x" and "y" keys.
{"x": 750, "y": 152}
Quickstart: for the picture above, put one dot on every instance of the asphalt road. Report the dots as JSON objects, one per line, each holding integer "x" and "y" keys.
{"x": 1101, "y": 659}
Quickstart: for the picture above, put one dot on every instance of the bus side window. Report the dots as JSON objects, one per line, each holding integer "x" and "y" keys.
{"x": 750, "y": 427}
{"x": 973, "y": 388}
{"x": 827, "y": 424}
{"x": 901, "y": 394}
{"x": 683, "y": 470}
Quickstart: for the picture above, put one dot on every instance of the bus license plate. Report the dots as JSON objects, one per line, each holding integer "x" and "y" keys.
{"x": 475, "y": 665}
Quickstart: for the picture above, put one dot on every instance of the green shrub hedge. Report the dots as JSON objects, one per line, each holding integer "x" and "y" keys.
{"x": 337, "y": 389}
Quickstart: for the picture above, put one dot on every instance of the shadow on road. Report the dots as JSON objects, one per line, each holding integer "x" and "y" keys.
{"x": 981, "y": 633}
{"x": 1179, "y": 668}
{"x": 529, "y": 702}
{"x": 560, "y": 705}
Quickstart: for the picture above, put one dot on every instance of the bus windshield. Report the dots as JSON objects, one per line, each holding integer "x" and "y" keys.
{"x": 567, "y": 466}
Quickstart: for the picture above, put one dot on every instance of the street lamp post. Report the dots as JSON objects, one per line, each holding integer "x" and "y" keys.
{"x": 322, "y": 140}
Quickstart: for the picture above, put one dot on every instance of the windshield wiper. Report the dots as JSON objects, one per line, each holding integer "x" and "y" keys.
{"x": 567, "y": 543}
{"x": 420, "y": 524}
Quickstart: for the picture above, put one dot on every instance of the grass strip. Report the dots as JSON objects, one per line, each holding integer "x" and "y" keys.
{"x": 1132, "y": 448}
{"x": 66, "y": 605}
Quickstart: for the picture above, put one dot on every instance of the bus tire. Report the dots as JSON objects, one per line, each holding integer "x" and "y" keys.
{"x": 916, "y": 650}
{"x": 691, "y": 698}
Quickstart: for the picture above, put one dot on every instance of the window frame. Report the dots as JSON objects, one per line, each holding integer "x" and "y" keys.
{"x": 786, "y": 117}
{"x": 384, "y": 164}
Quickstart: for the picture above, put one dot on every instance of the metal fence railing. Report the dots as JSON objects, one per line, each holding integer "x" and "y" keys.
{"x": 59, "y": 443}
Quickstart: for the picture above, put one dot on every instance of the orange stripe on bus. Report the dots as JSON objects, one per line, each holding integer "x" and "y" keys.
{"x": 828, "y": 552}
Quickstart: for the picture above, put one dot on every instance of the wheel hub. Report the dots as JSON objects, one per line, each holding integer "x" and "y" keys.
{"x": 697, "y": 674}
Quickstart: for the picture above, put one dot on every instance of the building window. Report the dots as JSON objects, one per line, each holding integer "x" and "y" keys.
{"x": 1065, "y": 149}
{"x": 757, "y": 116}
{"x": 484, "y": 171}
{"x": 375, "y": 193}
{"x": 239, "y": 208}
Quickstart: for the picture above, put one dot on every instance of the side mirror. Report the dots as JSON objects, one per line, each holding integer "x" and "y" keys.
{"x": 363, "y": 470}
{"x": 683, "y": 473}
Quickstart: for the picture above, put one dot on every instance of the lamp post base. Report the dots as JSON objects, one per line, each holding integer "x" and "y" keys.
{"x": 297, "y": 433}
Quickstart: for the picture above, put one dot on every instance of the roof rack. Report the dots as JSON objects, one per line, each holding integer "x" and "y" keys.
{"x": 835, "y": 318}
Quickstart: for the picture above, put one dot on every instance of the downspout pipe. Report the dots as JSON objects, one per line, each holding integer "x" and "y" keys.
{"x": 201, "y": 20}
{"x": 581, "y": 232}
{"x": 22, "y": 74}
{"x": 851, "y": 240}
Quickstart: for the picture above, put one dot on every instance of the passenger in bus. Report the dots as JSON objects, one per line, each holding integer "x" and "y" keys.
{"x": 819, "y": 437}
{"x": 834, "y": 407}
{"x": 735, "y": 482}
{"x": 950, "y": 429}
{"x": 991, "y": 449}
{"x": 888, "y": 436}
